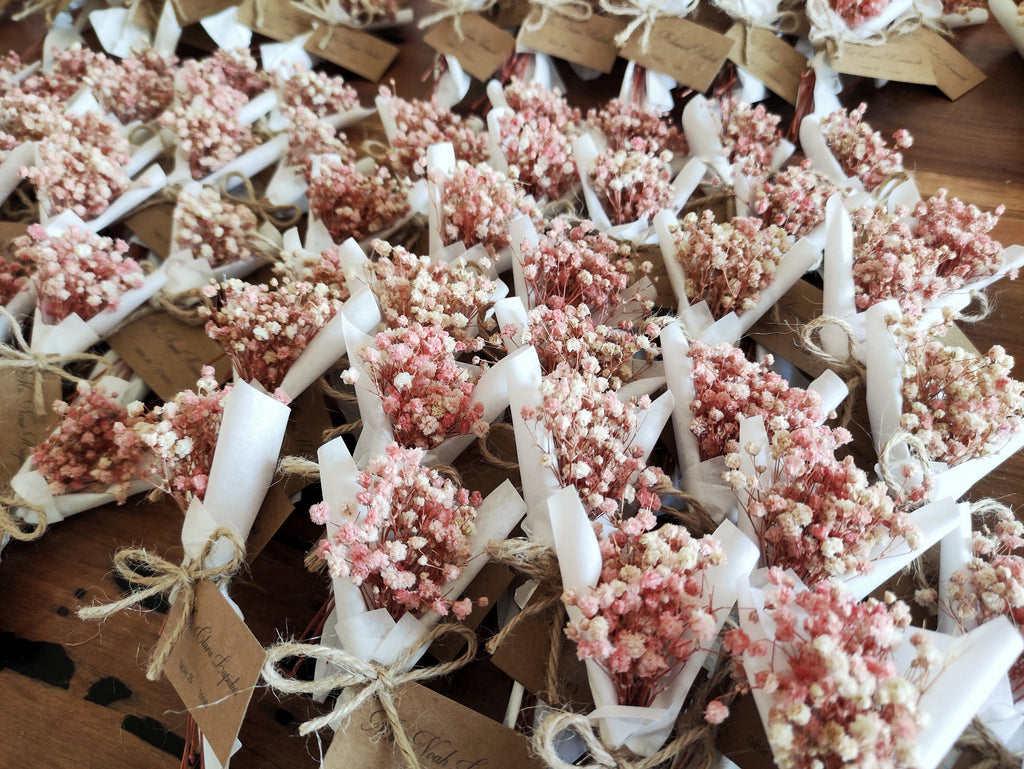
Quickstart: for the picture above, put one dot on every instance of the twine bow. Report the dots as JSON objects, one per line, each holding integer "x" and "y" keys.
{"x": 645, "y": 13}
{"x": 177, "y": 580}
{"x": 828, "y": 29}
{"x": 330, "y": 14}
{"x": 541, "y": 10}
{"x": 455, "y": 10}
{"x": 367, "y": 680}
{"x": 281, "y": 217}
{"x": 20, "y": 356}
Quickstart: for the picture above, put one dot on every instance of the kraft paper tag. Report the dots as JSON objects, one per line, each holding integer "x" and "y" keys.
{"x": 589, "y": 43}
{"x": 687, "y": 52}
{"x": 523, "y": 656}
{"x": 21, "y": 428}
{"x": 168, "y": 354}
{"x": 484, "y": 50}
{"x": 489, "y": 583}
{"x": 921, "y": 57}
{"x": 191, "y": 11}
{"x": 353, "y": 49}
{"x": 443, "y": 732}
{"x": 741, "y": 737}
{"x": 12, "y": 230}
{"x": 275, "y": 510}
{"x": 214, "y": 667}
{"x": 770, "y": 59}
{"x": 153, "y": 227}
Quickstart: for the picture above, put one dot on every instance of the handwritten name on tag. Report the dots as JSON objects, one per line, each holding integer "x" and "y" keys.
{"x": 214, "y": 667}
{"x": 445, "y": 734}
{"x": 484, "y": 49}
{"x": 589, "y": 43}
{"x": 687, "y": 52}
{"x": 921, "y": 56}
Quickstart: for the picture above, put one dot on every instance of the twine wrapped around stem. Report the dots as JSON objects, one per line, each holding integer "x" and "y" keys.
{"x": 851, "y": 370}
{"x": 178, "y": 581}
{"x": 885, "y": 457}
{"x": 694, "y": 736}
{"x": 367, "y": 680}
{"x": 20, "y": 356}
{"x": 281, "y": 217}
{"x": 455, "y": 10}
{"x": 183, "y": 307}
{"x": 300, "y": 467}
{"x": 541, "y": 10}
{"x": 489, "y": 456}
{"x": 695, "y": 518}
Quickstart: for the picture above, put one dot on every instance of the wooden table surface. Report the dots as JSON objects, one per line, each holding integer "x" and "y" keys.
{"x": 74, "y": 694}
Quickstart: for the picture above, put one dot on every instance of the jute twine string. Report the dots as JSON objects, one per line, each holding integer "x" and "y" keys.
{"x": 334, "y": 432}
{"x": 984, "y": 308}
{"x": 20, "y": 356}
{"x": 849, "y": 368}
{"x": 541, "y": 10}
{"x": 178, "y": 581}
{"x": 13, "y": 527}
{"x": 643, "y": 14}
{"x": 828, "y": 30}
{"x": 695, "y": 517}
{"x": 994, "y": 755}
{"x": 455, "y": 10}
{"x": 183, "y": 307}
{"x": 366, "y": 680}
{"x": 694, "y": 737}
{"x": 491, "y": 457}
{"x": 299, "y": 467}
{"x": 49, "y": 9}
{"x": 885, "y": 457}
{"x": 281, "y": 217}
{"x": 538, "y": 562}
{"x": 988, "y": 506}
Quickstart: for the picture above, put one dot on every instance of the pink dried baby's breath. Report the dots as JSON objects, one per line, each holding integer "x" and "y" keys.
{"x": 964, "y": 230}
{"x": 265, "y": 328}
{"x": 318, "y": 92}
{"x": 620, "y": 122}
{"x": 651, "y": 610}
{"x": 451, "y": 295}
{"x": 750, "y": 133}
{"x": 570, "y": 336}
{"x": 728, "y": 264}
{"x": 860, "y": 150}
{"x": 411, "y": 538}
{"x": 963, "y": 405}
{"x": 477, "y": 205}
{"x": 13, "y": 278}
{"x": 181, "y": 436}
{"x": 94, "y": 448}
{"x": 309, "y": 137}
{"x": 82, "y": 169}
{"x": 593, "y": 435}
{"x": 425, "y": 393}
{"x": 139, "y": 88}
{"x": 69, "y": 70}
{"x": 325, "y": 269}
{"x": 728, "y": 387}
{"x": 576, "y": 264}
{"x": 422, "y": 123}
{"x": 633, "y": 183}
{"x": 813, "y": 513}
{"x": 209, "y": 131}
{"x": 793, "y": 199}
{"x": 234, "y": 70}
{"x": 214, "y": 229}
{"x": 77, "y": 272}
{"x": 856, "y": 12}
{"x": 352, "y": 204}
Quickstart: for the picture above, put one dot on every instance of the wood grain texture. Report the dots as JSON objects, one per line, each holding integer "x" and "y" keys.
{"x": 974, "y": 147}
